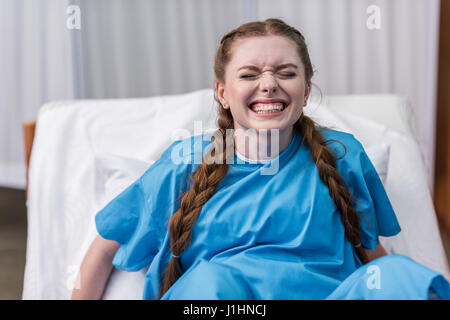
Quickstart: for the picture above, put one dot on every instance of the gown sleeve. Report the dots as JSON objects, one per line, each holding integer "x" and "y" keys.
{"x": 138, "y": 217}
{"x": 377, "y": 217}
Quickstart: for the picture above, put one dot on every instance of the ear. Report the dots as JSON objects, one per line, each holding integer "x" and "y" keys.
{"x": 307, "y": 90}
{"x": 220, "y": 90}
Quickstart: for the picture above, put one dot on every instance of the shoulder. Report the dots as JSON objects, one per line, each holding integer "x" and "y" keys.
{"x": 344, "y": 145}
{"x": 351, "y": 157}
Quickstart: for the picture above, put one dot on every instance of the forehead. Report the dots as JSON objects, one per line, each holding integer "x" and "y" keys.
{"x": 263, "y": 51}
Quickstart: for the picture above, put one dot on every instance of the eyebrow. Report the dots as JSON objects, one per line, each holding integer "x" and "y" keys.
{"x": 281, "y": 66}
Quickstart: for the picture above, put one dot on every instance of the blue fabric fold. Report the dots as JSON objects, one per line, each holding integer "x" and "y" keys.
{"x": 392, "y": 277}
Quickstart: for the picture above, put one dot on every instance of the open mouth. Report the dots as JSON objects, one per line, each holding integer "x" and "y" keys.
{"x": 268, "y": 108}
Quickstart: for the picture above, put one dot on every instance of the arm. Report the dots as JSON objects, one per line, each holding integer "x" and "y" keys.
{"x": 95, "y": 269}
{"x": 377, "y": 253}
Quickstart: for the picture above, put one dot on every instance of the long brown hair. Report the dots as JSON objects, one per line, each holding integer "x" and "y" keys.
{"x": 209, "y": 174}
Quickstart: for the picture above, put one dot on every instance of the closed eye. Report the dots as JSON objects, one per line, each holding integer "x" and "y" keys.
{"x": 246, "y": 76}
{"x": 288, "y": 74}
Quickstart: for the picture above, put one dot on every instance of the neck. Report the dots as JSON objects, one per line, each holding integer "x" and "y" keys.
{"x": 262, "y": 144}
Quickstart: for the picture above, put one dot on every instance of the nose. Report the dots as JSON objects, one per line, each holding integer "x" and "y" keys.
{"x": 268, "y": 84}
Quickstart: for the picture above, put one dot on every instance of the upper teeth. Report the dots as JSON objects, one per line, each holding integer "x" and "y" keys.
{"x": 271, "y": 106}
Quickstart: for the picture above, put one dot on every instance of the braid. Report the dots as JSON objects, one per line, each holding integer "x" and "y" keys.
{"x": 326, "y": 165}
{"x": 206, "y": 178}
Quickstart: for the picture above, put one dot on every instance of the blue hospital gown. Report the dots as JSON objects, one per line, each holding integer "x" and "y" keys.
{"x": 264, "y": 236}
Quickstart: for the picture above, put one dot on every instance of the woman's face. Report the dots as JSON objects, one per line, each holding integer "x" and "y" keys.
{"x": 266, "y": 69}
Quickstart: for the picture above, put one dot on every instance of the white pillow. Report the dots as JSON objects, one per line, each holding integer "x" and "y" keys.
{"x": 379, "y": 156}
{"x": 113, "y": 174}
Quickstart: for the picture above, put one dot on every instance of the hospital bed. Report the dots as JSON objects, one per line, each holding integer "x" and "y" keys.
{"x": 84, "y": 152}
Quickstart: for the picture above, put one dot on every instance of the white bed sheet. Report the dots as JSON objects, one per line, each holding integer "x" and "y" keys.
{"x": 67, "y": 185}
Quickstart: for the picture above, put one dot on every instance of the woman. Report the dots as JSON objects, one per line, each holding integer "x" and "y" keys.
{"x": 294, "y": 211}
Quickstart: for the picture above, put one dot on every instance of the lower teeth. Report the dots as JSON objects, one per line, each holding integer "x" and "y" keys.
{"x": 269, "y": 111}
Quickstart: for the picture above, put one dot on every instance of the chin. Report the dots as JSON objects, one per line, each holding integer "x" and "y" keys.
{"x": 274, "y": 126}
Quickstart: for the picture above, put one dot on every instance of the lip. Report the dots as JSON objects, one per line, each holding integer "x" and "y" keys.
{"x": 272, "y": 114}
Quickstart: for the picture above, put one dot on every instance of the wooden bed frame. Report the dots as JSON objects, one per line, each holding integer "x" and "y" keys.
{"x": 28, "y": 135}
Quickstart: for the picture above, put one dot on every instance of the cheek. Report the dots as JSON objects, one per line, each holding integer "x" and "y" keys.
{"x": 243, "y": 90}
{"x": 237, "y": 92}
{"x": 295, "y": 89}
{"x": 235, "y": 88}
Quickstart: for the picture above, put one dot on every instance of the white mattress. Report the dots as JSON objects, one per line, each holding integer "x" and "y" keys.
{"x": 86, "y": 152}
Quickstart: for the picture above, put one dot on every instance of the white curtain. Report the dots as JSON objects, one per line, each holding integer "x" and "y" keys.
{"x": 35, "y": 61}
{"x": 150, "y": 47}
